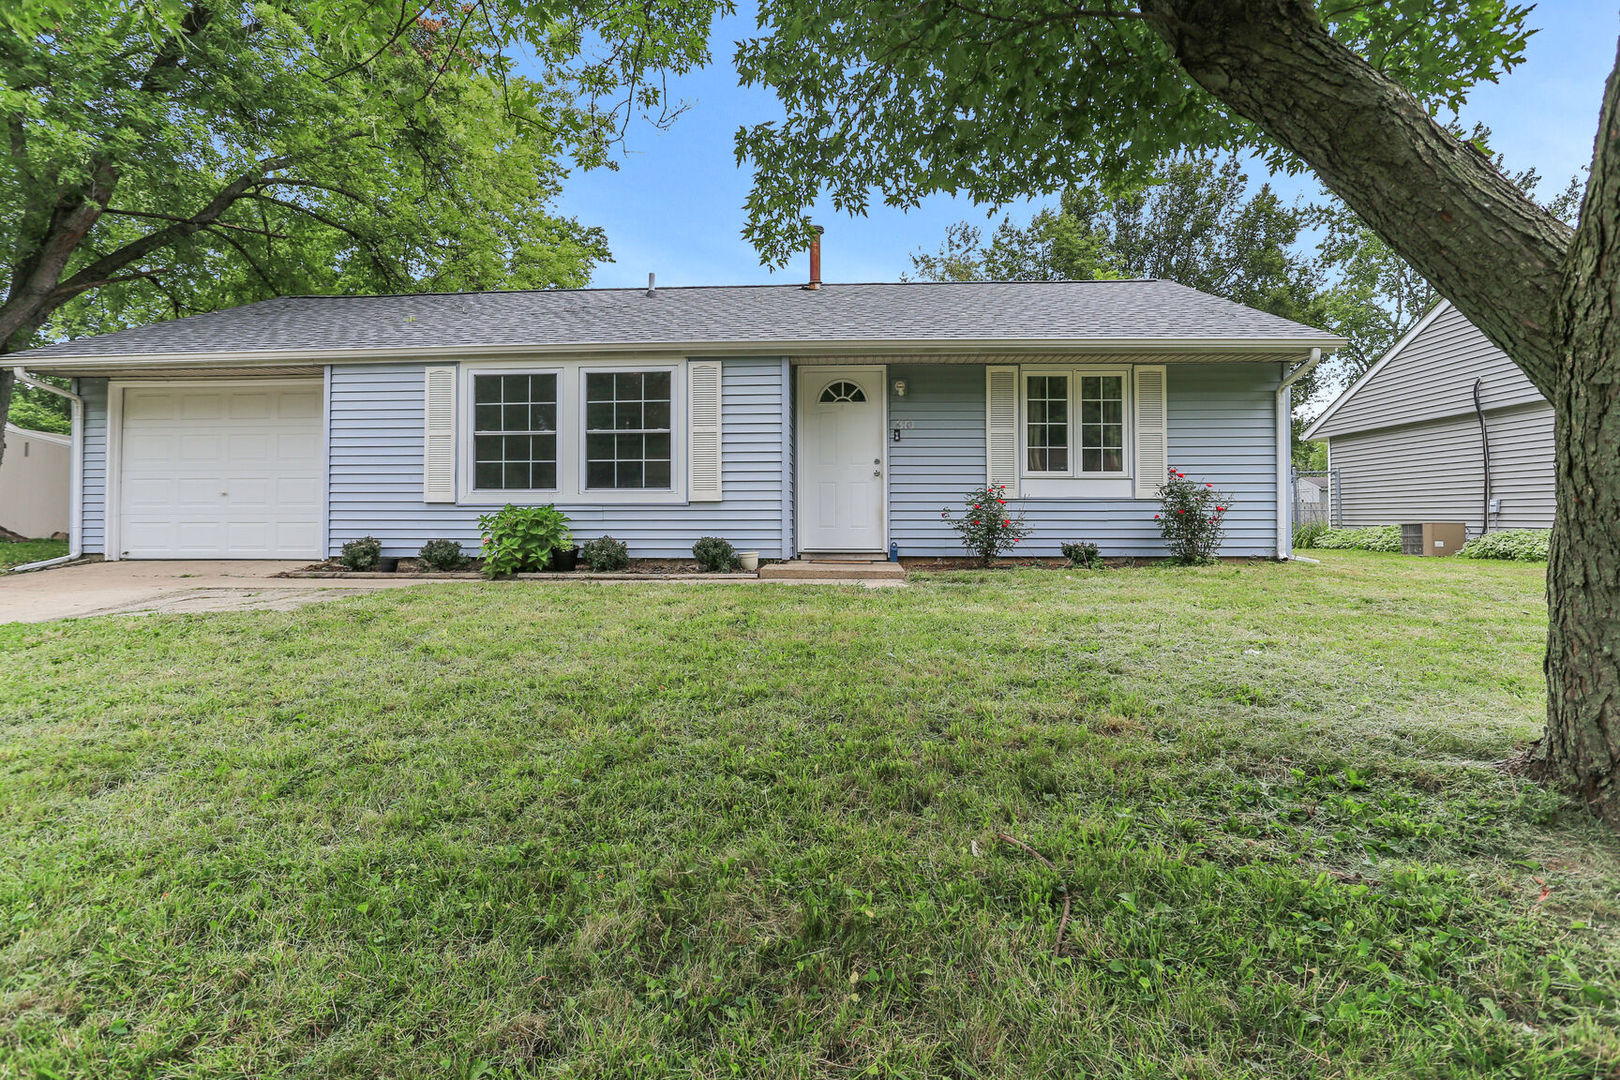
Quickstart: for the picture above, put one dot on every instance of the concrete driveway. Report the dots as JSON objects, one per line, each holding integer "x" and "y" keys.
{"x": 137, "y": 588}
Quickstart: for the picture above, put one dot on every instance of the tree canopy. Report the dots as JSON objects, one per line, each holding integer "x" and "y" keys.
{"x": 168, "y": 157}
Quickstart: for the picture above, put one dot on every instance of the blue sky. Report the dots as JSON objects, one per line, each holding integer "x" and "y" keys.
{"x": 675, "y": 204}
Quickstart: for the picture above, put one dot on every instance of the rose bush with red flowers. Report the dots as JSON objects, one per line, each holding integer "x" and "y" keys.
{"x": 987, "y": 527}
{"x": 1191, "y": 518}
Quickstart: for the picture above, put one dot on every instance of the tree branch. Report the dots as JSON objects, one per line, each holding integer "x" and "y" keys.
{"x": 1440, "y": 204}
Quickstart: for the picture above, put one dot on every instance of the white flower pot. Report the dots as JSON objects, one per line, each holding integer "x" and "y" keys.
{"x": 750, "y": 560}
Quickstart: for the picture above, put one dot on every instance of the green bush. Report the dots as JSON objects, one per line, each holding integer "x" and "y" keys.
{"x": 1519, "y": 545}
{"x": 1385, "y": 538}
{"x": 1308, "y": 534}
{"x": 520, "y": 539}
{"x": 361, "y": 554}
{"x": 1082, "y": 555}
{"x": 715, "y": 555}
{"x": 442, "y": 555}
{"x": 605, "y": 555}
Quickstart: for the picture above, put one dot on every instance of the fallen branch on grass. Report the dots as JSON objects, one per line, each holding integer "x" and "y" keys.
{"x": 1063, "y": 923}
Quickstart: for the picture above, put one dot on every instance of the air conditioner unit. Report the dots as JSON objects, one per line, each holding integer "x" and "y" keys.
{"x": 1433, "y": 538}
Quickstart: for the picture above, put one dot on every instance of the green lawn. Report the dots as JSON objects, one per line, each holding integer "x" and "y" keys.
{"x": 484, "y": 830}
{"x": 15, "y": 553}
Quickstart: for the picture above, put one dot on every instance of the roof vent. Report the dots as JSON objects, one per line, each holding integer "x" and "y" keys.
{"x": 652, "y": 284}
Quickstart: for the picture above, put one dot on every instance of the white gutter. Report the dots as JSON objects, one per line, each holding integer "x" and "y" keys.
{"x": 76, "y": 477}
{"x": 1285, "y": 462}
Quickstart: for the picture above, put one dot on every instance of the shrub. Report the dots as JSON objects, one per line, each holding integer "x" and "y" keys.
{"x": 986, "y": 526}
{"x": 1082, "y": 555}
{"x": 1191, "y": 519}
{"x": 520, "y": 539}
{"x": 1386, "y": 538}
{"x": 1519, "y": 545}
{"x": 605, "y": 555}
{"x": 361, "y": 554}
{"x": 715, "y": 555}
{"x": 444, "y": 555}
{"x": 1307, "y": 534}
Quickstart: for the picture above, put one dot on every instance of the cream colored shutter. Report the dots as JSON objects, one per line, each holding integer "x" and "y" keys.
{"x": 1152, "y": 427}
{"x": 439, "y": 450}
{"x": 1001, "y": 427}
{"x": 703, "y": 431}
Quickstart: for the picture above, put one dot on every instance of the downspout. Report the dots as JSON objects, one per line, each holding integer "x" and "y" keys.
{"x": 75, "y": 466}
{"x": 1285, "y": 457}
{"x": 1485, "y": 454}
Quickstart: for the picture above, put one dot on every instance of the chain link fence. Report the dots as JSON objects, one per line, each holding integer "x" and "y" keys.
{"x": 1317, "y": 498}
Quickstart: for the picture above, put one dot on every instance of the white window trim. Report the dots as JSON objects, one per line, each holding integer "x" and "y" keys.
{"x": 571, "y": 487}
{"x": 1074, "y": 374}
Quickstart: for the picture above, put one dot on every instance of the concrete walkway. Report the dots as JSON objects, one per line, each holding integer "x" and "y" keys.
{"x": 143, "y": 588}
{"x": 136, "y": 588}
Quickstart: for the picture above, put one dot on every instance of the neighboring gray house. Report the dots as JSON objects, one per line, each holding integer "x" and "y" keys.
{"x": 786, "y": 419}
{"x": 1406, "y": 439}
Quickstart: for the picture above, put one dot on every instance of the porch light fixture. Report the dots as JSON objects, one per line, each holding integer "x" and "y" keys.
{"x": 899, "y": 388}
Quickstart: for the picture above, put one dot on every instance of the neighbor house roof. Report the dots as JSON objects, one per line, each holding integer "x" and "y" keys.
{"x": 1427, "y": 375}
{"x": 776, "y": 318}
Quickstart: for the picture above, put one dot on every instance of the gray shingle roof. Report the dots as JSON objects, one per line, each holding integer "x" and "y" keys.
{"x": 1080, "y": 312}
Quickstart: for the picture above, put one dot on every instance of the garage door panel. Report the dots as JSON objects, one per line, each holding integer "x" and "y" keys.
{"x": 221, "y": 472}
{"x": 298, "y": 406}
{"x": 258, "y": 406}
{"x": 197, "y": 404}
{"x": 249, "y": 448}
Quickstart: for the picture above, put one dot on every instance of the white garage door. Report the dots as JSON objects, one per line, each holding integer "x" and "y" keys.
{"x": 221, "y": 472}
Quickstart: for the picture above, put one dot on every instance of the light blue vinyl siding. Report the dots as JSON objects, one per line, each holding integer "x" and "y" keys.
{"x": 1222, "y": 430}
{"x": 375, "y": 471}
{"x": 94, "y": 392}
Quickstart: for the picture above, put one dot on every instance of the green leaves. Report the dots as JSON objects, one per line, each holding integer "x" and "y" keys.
{"x": 226, "y": 151}
{"x": 1001, "y": 101}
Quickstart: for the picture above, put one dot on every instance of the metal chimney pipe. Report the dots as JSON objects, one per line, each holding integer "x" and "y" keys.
{"x": 815, "y": 258}
{"x": 652, "y": 284}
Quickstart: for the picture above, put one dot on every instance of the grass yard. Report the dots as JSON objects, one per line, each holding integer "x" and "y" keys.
{"x": 18, "y": 552}
{"x": 487, "y": 830}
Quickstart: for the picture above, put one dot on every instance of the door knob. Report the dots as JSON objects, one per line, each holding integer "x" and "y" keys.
{"x": 877, "y": 472}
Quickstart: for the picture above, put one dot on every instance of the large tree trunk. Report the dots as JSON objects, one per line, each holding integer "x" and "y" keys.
{"x": 1581, "y": 750}
{"x": 1549, "y": 299}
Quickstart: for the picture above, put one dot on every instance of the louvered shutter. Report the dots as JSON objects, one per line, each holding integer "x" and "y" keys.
{"x": 703, "y": 431}
{"x": 1001, "y": 427}
{"x": 1152, "y": 431}
{"x": 439, "y": 446}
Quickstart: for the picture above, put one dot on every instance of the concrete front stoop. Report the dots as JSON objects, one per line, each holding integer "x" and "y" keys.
{"x": 833, "y": 569}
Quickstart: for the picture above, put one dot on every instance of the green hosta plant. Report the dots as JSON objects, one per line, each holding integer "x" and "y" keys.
{"x": 520, "y": 539}
{"x": 1386, "y": 538}
{"x": 1191, "y": 519}
{"x": 986, "y": 526}
{"x": 1520, "y": 545}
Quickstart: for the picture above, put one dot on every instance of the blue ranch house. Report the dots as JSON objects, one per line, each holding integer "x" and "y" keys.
{"x": 787, "y": 419}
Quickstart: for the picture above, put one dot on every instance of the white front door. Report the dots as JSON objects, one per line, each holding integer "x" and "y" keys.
{"x": 228, "y": 471}
{"x": 842, "y": 463}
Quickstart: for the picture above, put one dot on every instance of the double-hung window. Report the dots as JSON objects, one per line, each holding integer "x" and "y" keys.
{"x": 515, "y": 432}
{"x": 628, "y": 430}
{"x": 1074, "y": 422}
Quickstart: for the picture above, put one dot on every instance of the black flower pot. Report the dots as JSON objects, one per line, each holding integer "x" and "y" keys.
{"x": 563, "y": 562}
